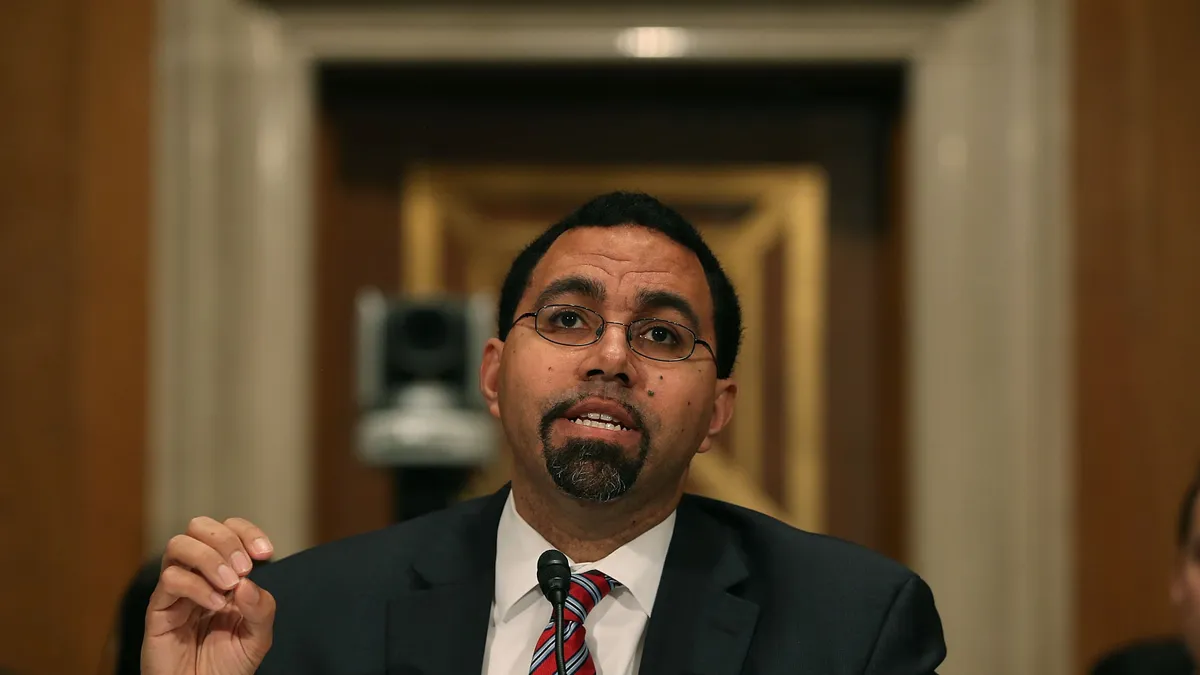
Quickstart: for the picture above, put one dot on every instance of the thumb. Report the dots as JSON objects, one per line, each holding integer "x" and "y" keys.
{"x": 257, "y": 608}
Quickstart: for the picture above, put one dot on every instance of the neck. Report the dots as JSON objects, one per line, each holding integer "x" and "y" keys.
{"x": 589, "y": 531}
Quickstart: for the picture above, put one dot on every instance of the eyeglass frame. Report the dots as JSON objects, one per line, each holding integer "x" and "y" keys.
{"x": 604, "y": 323}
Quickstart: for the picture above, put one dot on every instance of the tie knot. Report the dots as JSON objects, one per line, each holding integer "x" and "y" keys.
{"x": 587, "y": 590}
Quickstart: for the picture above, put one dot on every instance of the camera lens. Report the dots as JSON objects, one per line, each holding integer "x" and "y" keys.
{"x": 425, "y": 340}
{"x": 425, "y": 329}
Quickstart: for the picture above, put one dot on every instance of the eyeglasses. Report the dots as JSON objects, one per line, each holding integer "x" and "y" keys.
{"x": 576, "y": 326}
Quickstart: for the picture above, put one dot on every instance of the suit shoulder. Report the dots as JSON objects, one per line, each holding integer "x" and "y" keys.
{"x": 371, "y": 556}
{"x": 1165, "y": 655}
{"x": 776, "y": 545}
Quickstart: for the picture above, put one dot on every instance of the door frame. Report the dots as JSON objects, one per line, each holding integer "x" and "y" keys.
{"x": 785, "y": 206}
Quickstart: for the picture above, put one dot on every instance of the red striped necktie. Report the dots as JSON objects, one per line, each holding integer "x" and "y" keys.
{"x": 587, "y": 590}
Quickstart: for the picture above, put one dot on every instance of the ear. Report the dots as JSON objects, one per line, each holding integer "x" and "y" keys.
{"x": 722, "y": 411}
{"x": 489, "y": 375}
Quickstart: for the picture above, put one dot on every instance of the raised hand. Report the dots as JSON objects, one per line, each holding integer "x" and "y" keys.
{"x": 205, "y": 617}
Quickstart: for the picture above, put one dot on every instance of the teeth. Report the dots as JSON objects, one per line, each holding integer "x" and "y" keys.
{"x": 599, "y": 416}
{"x": 588, "y": 422}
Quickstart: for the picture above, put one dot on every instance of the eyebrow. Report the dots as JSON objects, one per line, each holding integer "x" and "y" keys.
{"x": 593, "y": 290}
{"x": 659, "y": 299}
{"x": 572, "y": 285}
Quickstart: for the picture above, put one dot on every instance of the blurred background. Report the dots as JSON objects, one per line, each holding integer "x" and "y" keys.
{"x": 249, "y": 250}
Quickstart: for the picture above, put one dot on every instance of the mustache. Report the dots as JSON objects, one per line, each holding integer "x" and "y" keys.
{"x": 561, "y": 407}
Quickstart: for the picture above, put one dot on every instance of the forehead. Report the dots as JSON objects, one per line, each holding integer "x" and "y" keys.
{"x": 625, "y": 258}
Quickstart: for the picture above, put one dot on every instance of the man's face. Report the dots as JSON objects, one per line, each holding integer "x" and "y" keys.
{"x": 1185, "y": 588}
{"x": 600, "y": 421}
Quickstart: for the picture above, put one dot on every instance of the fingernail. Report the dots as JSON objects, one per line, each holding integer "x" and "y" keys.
{"x": 227, "y": 576}
{"x": 241, "y": 562}
{"x": 251, "y": 592}
{"x": 261, "y": 546}
{"x": 216, "y": 601}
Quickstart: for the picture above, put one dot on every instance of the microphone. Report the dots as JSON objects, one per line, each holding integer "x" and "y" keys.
{"x": 554, "y": 577}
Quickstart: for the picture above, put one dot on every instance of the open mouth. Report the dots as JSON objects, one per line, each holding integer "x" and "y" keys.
{"x": 601, "y": 415}
{"x": 600, "y": 421}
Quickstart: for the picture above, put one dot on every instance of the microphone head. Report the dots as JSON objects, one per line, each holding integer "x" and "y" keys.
{"x": 554, "y": 575}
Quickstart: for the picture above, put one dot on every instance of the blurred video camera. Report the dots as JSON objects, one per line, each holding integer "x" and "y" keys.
{"x": 418, "y": 381}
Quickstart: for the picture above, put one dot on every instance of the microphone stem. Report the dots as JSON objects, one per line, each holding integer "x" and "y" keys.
{"x": 558, "y": 638}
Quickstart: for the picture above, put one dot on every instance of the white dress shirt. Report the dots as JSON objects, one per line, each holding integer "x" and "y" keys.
{"x": 615, "y": 628}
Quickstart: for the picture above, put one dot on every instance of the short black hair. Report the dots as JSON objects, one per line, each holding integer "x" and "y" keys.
{"x": 1183, "y": 532}
{"x": 634, "y": 208}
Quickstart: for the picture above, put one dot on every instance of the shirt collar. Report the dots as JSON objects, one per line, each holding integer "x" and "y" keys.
{"x": 638, "y": 565}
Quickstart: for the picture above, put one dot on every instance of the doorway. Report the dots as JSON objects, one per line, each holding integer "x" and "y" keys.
{"x": 378, "y": 121}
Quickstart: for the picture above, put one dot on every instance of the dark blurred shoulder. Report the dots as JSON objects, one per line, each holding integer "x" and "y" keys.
{"x": 1165, "y": 656}
{"x": 367, "y": 562}
{"x": 783, "y": 559}
{"x": 780, "y": 551}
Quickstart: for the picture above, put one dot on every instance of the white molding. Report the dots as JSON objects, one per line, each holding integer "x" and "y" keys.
{"x": 525, "y": 35}
{"x": 989, "y": 352}
{"x": 232, "y": 327}
{"x": 989, "y": 262}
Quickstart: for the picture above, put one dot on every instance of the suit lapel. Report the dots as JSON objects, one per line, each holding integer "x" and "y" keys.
{"x": 698, "y": 626}
{"x": 453, "y": 584}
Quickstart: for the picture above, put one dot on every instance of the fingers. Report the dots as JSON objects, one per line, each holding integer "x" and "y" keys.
{"x": 203, "y": 570}
{"x": 224, "y": 540}
{"x": 210, "y": 560}
{"x": 177, "y": 582}
{"x": 256, "y": 605}
{"x": 194, "y": 555}
{"x": 220, "y": 552}
{"x": 253, "y": 539}
{"x": 178, "y": 595}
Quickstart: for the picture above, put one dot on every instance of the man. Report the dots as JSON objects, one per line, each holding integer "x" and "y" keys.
{"x": 1171, "y": 656}
{"x": 618, "y": 331}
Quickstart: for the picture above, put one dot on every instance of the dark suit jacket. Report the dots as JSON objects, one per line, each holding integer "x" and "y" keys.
{"x": 740, "y": 593}
{"x": 1152, "y": 657}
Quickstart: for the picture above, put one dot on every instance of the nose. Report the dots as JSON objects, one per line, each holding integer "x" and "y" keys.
{"x": 611, "y": 359}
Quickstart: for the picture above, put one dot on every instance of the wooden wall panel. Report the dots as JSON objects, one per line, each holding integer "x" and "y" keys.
{"x": 1137, "y": 326}
{"x": 862, "y": 403}
{"x": 74, "y": 231}
{"x": 35, "y": 344}
{"x": 357, "y": 246}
